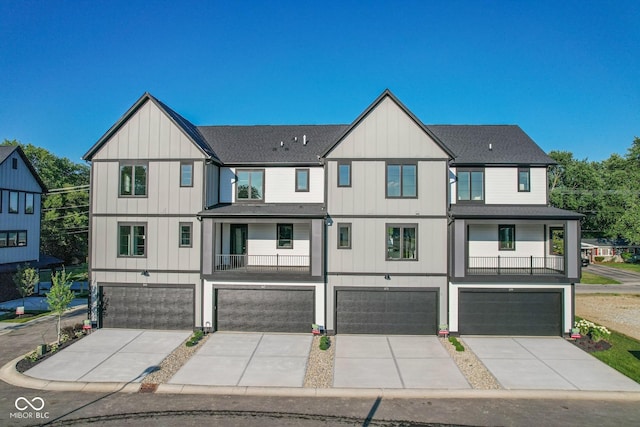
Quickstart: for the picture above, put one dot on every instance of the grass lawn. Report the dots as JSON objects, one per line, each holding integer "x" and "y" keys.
{"x": 11, "y": 317}
{"x": 593, "y": 279}
{"x": 623, "y": 266}
{"x": 623, "y": 356}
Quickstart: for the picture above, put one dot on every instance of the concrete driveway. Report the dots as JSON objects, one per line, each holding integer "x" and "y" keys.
{"x": 248, "y": 359}
{"x": 546, "y": 364}
{"x": 375, "y": 361}
{"x": 110, "y": 355}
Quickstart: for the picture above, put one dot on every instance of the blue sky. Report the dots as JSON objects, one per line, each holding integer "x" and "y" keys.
{"x": 567, "y": 72}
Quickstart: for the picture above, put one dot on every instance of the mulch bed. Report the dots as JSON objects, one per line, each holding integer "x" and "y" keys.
{"x": 589, "y": 345}
{"x": 25, "y": 364}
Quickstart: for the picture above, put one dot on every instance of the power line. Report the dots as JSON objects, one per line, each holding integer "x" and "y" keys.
{"x": 65, "y": 207}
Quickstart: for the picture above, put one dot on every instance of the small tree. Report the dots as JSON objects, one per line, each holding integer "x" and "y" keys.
{"x": 60, "y": 295}
{"x": 25, "y": 280}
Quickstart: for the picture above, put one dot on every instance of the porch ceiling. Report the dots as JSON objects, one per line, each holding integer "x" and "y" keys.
{"x": 266, "y": 210}
{"x": 511, "y": 212}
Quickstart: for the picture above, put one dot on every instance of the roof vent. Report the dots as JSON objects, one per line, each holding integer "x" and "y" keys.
{"x": 490, "y": 147}
{"x": 295, "y": 139}
{"x": 304, "y": 139}
{"x": 281, "y": 143}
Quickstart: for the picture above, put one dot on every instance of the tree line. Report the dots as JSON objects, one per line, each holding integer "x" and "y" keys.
{"x": 607, "y": 192}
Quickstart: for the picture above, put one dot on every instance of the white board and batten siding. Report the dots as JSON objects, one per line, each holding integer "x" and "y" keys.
{"x": 279, "y": 185}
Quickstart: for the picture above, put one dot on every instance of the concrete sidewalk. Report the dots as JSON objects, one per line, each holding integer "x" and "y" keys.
{"x": 540, "y": 363}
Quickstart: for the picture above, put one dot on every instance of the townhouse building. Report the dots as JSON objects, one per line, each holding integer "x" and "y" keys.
{"x": 385, "y": 225}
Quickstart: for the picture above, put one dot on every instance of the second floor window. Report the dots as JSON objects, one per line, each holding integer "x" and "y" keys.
{"x": 302, "y": 179}
{"x": 344, "y": 236}
{"x": 28, "y": 203}
{"x": 285, "y": 236}
{"x": 344, "y": 174}
{"x": 185, "y": 235}
{"x": 13, "y": 202}
{"x": 13, "y": 239}
{"x": 132, "y": 240}
{"x": 402, "y": 242}
{"x": 133, "y": 180}
{"x": 556, "y": 240}
{"x": 470, "y": 185}
{"x": 250, "y": 185}
{"x": 524, "y": 180}
{"x": 186, "y": 174}
{"x": 402, "y": 180}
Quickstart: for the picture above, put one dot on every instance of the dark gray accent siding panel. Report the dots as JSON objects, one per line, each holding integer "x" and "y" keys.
{"x": 317, "y": 226}
{"x": 264, "y": 310}
{"x": 147, "y": 307}
{"x": 386, "y": 312}
{"x": 208, "y": 239}
{"x": 517, "y": 312}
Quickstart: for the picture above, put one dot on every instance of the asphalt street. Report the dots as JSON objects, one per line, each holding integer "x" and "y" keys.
{"x": 618, "y": 274}
{"x": 66, "y": 408}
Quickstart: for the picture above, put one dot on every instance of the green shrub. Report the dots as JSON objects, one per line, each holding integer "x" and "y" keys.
{"x": 198, "y": 334}
{"x": 33, "y": 356}
{"x": 599, "y": 258}
{"x": 325, "y": 342}
{"x": 191, "y": 343}
{"x": 456, "y": 343}
{"x": 626, "y": 256}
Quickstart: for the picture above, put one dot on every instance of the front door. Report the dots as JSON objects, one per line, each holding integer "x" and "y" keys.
{"x": 239, "y": 234}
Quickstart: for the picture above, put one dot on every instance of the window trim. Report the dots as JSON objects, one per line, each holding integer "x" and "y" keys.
{"x": 344, "y": 163}
{"x": 470, "y": 200}
{"x": 191, "y": 165}
{"x": 512, "y": 227}
{"x": 250, "y": 200}
{"x": 17, "y": 210}
{"x": 278, "y": 246}
{"x": 180, "y": 243}
{"x": 131, "y": 243}
{"x": 386, "y": 179}
{"x": 303, "y": 190}
{"x": 528, "y": 171}
{"x": 348, "y": 226}
{"x": 551, "y": 230}
{"x": 33, "y": 204}
{"x": 402, "y": 226}
{"x": 133, "y": 165}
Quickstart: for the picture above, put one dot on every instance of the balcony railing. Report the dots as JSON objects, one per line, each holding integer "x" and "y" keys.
{"x": 262, "y": 263}
{"x": 515, "y": 266}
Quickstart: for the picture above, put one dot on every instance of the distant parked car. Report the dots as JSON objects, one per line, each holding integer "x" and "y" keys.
{"x": 585, "y": 262}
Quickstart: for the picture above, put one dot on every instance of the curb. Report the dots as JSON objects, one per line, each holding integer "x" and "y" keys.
{"x": 9, "y": 374}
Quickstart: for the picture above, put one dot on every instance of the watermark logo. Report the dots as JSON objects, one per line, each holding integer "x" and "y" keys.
{"x": 29, "y": 409}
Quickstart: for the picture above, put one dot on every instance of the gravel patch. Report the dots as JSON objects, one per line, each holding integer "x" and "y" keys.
{"x": 320, "y": 365}
{"x": 474, "y": 371}
{"x": 618, "y": 312}
{"x": 173, "y": 362}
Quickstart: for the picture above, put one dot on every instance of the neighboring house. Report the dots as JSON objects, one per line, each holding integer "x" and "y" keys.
{"x": 607, "y": 248}
{"x": 20, "y": 196}
{"x": 381, "y": 226}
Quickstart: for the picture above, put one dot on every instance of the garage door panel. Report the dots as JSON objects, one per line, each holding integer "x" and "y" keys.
{"x": 265, "y": 310}
{"x": 510, "y": 313}
{"x": 386, "y": 312}
{"x": 148, "y": 307}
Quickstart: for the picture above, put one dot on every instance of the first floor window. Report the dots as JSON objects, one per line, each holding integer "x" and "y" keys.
{"x": 524, "y": 180}
{"x": 186, "y": 174}
{"x": 344, "y": 236}
{"x": 133, "y": 180}
{"x": 285, "y": 236}
{"x": 13, "y": 202}
{"x": 185, "y": 235}
{"x": 13, "y": 239}
{"x": 556, "y": 240}
{"x": 507, "y": 237}
{"x": 3, "y": 239}
{"x": 132, "y": 241}
{"x": 28, "y": 203}
{"x": 402, "y": 242}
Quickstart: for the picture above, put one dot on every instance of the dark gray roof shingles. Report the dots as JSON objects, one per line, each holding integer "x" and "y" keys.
{"x": 511, "y": 212}
{"x": 5, "y": 152}
{"x": 490, "y": 144}
{"x": 307, "y": 210}
{"x": 262, "y": 143}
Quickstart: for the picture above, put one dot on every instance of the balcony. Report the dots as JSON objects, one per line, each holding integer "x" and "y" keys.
{"x": 515, "y": 266}
{"x": 262, "y": 263}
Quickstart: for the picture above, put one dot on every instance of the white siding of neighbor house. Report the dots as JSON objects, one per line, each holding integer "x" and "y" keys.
{"x": 279, "y": 185}
{"x": 501, "y": 186}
